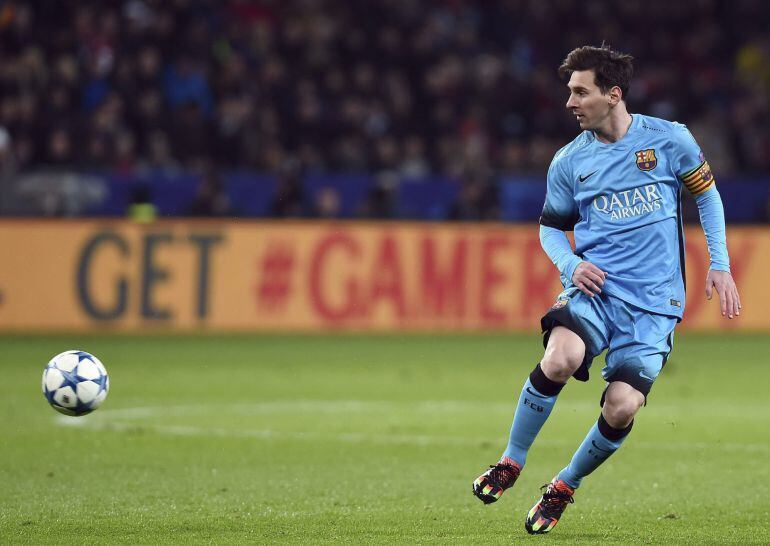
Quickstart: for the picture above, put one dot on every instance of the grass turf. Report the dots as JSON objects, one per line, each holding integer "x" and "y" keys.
{"x": 361, "y": 439}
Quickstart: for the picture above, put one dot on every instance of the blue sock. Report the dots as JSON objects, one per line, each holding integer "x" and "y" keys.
{"x": 535, "y": 404}
{"x": 600, "y": 442}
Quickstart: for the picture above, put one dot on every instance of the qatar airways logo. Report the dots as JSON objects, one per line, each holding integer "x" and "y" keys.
{"x": 630, "y": 203}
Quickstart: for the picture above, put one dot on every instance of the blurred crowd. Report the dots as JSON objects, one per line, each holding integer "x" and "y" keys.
{"x": 463, "y": 88}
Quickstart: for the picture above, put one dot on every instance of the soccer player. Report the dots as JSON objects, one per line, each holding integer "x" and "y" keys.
{"x": 617, "y": 186}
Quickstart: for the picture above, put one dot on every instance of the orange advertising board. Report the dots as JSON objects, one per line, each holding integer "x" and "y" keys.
{"x": 306, "y": 276}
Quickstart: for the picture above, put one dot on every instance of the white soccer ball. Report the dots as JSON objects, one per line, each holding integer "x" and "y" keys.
{"x": 75, "y": 383}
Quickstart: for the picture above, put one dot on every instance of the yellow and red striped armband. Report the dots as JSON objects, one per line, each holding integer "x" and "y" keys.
{"x": 699, "y": 179}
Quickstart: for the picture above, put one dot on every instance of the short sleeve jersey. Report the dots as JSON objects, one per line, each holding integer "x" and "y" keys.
{"x": 622, "y": 200}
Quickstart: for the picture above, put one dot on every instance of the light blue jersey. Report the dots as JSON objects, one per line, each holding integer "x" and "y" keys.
{"x": 622, "y": 200}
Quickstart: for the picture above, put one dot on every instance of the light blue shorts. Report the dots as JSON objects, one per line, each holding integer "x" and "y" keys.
{"x": 638, "y": 342}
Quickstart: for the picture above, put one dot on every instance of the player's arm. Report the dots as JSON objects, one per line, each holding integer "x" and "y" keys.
{"x": 699, "y": 181}
{"x": 585, "y": 275}
{"x": 560, "y": 214}
{"x": 719, "y": 278}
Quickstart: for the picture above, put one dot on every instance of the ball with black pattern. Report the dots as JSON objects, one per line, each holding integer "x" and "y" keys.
{"x": 75, "y": 383}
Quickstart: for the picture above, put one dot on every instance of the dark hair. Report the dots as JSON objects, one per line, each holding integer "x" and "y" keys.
{"x": 610, "y": 67}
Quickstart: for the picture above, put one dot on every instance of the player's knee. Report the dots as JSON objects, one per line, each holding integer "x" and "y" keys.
{"x": 621, "y": 405}
{"x": 559, "y": 363}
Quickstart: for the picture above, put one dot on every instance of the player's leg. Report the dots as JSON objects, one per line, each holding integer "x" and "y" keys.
{"x": 574, "y": 333}
{"x": 622, "y": 401}
{"x": 640, "y": 345}
{"x": 639, "y": 348}
{"x": 564, "y": 354}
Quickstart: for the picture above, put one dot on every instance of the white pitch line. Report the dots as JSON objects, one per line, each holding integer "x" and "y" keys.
{"x": 270, "y": 434}
{"x": 115, "y": 420}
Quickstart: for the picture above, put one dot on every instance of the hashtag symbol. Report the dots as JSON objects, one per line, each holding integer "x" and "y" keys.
{"x": 274, "y": 271}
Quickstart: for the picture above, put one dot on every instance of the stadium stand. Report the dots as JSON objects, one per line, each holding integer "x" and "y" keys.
{"x": 405, "y": 109}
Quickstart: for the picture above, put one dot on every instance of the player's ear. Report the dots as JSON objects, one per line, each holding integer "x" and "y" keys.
{"x": 615, "y": 95}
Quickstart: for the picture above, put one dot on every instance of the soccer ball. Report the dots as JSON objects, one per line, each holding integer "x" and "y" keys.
{"x": 75, "y": 383}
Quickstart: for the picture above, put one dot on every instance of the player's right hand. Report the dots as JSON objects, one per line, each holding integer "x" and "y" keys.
{"x": 589, "y": 278}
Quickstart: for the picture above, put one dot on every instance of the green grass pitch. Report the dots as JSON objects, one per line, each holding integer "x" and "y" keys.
{"x": 370, "y": 439}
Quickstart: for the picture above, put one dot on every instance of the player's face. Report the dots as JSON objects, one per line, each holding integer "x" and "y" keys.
{"x": 586, "y": 101}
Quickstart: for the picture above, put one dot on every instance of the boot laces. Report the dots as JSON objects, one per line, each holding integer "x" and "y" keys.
{"x": 554, "y": 501}
{"x": 503, "y": 474}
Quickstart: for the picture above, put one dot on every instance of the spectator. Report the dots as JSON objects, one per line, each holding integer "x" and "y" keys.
{"x": 288, "y": 196}
{"x": 327, "y": 203}
{"x": 477, "y": 201}
{"x": 211, "y": 199}
{"x": 142, "y": 209}
{"x": 380, "y": 203}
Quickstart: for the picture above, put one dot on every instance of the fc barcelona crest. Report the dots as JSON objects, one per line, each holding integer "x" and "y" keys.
{"x": 646, "y": 160}
{"x": 559, "y": 304}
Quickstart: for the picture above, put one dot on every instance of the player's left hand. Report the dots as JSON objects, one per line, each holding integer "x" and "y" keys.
{"x": 723, "y": 283}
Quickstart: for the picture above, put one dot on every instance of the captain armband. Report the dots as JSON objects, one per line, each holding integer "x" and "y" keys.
{"x": 699, "y": 180}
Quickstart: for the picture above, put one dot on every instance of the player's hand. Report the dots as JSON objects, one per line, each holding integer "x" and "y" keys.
{"x": 589, "y": 278}
{"x": 723, "y": 283}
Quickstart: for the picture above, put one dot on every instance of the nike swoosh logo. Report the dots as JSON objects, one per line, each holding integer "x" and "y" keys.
{"x": 586, "y": 177}
{"x": 533, "y": 393}
{"x": 648, "y": 378}
{"x": 600, "y": 448}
